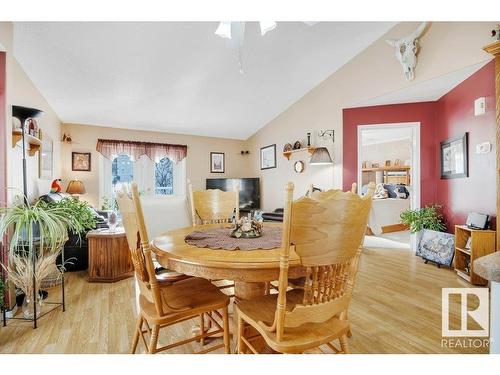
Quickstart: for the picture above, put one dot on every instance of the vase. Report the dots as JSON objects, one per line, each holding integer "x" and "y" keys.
{"x": 28, "y": 308}
{"x": 112, "y": 221}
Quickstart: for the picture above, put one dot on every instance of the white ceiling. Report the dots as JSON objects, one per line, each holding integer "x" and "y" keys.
{"x": 425, "y": 91}
{"x": 179, "y": 76}
{"x": 377, "y": 136}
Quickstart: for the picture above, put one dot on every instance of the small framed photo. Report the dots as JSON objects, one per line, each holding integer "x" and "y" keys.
{"x": 387, "y": 163}
{"x": 454, "y": 158}
{"x": 268, "y": 157}
{"x": 80, "y": 161}
{"x": 217, "y": 162}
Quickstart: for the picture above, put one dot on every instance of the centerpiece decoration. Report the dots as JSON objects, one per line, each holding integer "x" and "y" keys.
{"x": 247, "y": 226}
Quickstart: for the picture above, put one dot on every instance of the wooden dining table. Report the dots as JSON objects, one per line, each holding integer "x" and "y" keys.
{"x": 249, "y": 269}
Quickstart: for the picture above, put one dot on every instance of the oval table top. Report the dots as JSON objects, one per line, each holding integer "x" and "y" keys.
{"x": 246, "y": 266}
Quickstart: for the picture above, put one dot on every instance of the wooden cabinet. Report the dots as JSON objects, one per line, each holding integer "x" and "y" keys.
{"x": 109, "y": 256}
{"x": 482, "y": 242}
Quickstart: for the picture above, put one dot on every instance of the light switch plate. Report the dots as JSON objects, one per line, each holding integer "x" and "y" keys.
{"x": 483, "y": 148}
{"x": 480, "y": 106}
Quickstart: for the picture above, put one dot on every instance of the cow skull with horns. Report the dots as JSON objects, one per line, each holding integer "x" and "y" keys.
{"x": 407, "y": 49}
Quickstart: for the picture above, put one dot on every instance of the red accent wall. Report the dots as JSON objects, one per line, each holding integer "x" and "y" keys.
{"x": 454, "y": 117}
{"x": 386, "y": 114}
{"x": 450, "y": 116}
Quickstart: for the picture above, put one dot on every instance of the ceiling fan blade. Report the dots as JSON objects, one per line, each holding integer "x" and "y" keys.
{"x": 266, "y": 26}
{"x": 224, "y": 30}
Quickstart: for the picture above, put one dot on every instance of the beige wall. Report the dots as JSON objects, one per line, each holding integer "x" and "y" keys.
{"x": 197, "y": 163}
{"x": 380, "y": 152}
{"x": 21, "y": 91}
{"x": 445, "y": 47}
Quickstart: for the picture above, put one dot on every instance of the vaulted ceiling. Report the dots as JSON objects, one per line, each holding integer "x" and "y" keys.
{"x": 179, "y": 76}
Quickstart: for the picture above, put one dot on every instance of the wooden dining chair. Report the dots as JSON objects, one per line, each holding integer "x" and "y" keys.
{"x": 214, "y": 206}
{"x": 163, "y": 306}
{"x": 300, "y": 282}
{"x": 326, "y": 232}
{"x": 312, "y": 190}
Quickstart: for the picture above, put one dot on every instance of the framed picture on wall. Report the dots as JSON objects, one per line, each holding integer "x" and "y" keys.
{"x": 80, "y": 161}
{"x": 217, "y": 162}
{"x": 46, "y": 158}
{"x": 455, "y": 158}
{"x": 268, "y": 157}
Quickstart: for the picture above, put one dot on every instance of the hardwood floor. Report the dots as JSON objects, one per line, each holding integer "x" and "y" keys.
{"x": 396, "y": 308}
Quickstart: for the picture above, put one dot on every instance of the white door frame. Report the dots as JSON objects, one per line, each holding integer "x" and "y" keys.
{"x": 415, "y": 156}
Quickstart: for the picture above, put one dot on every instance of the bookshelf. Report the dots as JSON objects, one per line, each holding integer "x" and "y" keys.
{"x": 482, "y": 243}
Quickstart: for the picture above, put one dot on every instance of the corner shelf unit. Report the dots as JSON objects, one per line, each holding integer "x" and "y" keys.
{"x": 482, "y": 243}
{"x": 288, "y": 154}
{"x": 33, "y": 142}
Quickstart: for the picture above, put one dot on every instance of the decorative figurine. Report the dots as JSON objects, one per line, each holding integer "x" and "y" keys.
{"x": 55, "y": 187}
{"x": 496, "y": 33}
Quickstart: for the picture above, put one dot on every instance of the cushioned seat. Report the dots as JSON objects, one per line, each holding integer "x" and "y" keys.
{"x": 295, "y": 340}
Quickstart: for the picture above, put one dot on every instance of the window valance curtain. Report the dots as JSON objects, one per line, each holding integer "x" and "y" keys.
{"x": 110, "y": 148}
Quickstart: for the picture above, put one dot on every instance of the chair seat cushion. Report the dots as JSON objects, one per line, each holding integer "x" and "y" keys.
{"x": 297, "y": 339}
{"x": 166, "y": 276}
{"x": 185, "y": 298}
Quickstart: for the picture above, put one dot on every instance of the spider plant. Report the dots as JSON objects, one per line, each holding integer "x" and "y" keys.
{"x": 428, "y": 217}
{"x": 37, "y": 233}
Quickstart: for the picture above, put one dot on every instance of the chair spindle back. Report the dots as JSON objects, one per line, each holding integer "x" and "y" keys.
{"x": 138, "y": 242}
{"x": 326, "y": 231}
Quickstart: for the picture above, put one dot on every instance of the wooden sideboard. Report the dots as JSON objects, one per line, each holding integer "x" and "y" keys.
{"x": 109, "y": 256}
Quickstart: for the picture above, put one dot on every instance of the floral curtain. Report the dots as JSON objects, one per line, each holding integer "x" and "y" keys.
{"x": 110, "y": 148}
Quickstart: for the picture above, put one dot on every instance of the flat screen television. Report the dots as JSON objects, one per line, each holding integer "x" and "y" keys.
{"x": 249, "y": 190}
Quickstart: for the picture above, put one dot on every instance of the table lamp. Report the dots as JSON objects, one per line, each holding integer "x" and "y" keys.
{"x": 75, "y": 187}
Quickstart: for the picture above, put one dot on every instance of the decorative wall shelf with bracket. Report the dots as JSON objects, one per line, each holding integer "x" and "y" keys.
{"x": 288, "y": 154}
{"x": 33, "y": 142}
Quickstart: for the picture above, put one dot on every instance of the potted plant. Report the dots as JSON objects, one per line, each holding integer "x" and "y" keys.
{"x": 429, "y": 241}
{"x": 75, "y": 248}
{"x": 37, "y": 234}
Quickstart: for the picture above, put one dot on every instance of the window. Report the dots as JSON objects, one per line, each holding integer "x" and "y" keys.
{"x": 153, "y": 179}
{"x": 121, "y": 170}
{"x": 164, "y": 177}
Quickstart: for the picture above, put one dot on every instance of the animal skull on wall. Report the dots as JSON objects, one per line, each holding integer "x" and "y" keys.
{"x": 406, "y": 50}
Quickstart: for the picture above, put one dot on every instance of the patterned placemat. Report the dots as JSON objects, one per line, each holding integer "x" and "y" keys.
{"x": 220, "y": 238}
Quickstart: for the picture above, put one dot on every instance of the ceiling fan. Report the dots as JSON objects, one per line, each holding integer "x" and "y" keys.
{"x": 235, "y": 32}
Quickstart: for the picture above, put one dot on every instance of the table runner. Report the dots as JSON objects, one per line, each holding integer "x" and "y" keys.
{"x": 220, "y": 238}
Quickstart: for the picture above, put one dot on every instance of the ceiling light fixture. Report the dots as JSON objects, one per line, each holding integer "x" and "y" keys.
{"x": 235, "y": 32}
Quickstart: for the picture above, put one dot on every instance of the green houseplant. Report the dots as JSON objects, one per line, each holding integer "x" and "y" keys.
{"x": 75, "y": 248}
{"x": 81, "y": 212}
{"x": 428, "y": 217}
{"x": 37, "y": 234}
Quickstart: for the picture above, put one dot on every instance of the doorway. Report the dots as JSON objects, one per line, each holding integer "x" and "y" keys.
{"x": 389, "y": 156}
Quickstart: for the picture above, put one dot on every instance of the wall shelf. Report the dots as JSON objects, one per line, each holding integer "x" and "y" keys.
{"x": 33, "y": 142}
{"x": 288, "y": 154}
